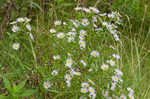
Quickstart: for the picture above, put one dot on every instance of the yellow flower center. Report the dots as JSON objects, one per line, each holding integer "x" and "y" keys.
{"x": 46, "y": 84}
{"x": 105, "y": 68}
{"x": 111, "y": 63}
{"x": 57, "y": 23}
{"x": 21, "y": 20}
{"x": 91, "y": 90}
{"x": 94, "y": 54}
{"x": 82, "y": 33}
{"x": 60, "y": 35}
{"x": 81, "y": 43}
{"x": 83, "y": 90}
{"x": 69, "y": 61}
{"x": 15, "y": 46}
{"x": 53, "y": 31}
{"x": 84, "y": 22}
{"x": 15, "y": 29}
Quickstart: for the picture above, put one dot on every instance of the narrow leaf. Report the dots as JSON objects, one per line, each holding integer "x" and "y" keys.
{"x": 28, "y": 92}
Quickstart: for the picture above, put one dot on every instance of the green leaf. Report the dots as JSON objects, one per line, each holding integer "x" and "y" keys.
{"x": 6, "y": 82}
{"x": 33, "y": 4}
{"x": 19, "y": 86}
{"x": 28, "y": 92}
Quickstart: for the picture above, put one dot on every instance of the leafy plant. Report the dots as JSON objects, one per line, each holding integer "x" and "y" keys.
{"x": 15, "y": 91}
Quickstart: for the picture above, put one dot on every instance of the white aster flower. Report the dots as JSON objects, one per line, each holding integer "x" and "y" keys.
{"x": 67, "y": 77}
{"x": 114, "y": 78}
{"x": 105, "y": 24}
{"x": 57, "y": 22}
{"x": 111, "y": 62}
{"x": 82, "y": 44}
{"x": 83, "y": 33}
{"x": 52, "y": 30}
{"x": 84, "y": 90}
{"x": 56, "y": 57}
{"x": 47, "y": 84}
{"x": 91, "y": 90}
{"x": 60, "y": 35}
{"x": 68, "y": 62}
{"x": 104, "y": 67}
{"x": 85, "y": 22}
{"x": 16, "y": 46}
{"x": 20, "y": 20}
{"x": 54, "y": 72}
{"x": 95, "y": 53}
{"x": 118, "y": 72}
{"x": 15, "y": 28}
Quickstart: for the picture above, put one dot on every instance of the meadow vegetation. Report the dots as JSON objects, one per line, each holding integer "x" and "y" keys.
{"x": 79, "y": 49}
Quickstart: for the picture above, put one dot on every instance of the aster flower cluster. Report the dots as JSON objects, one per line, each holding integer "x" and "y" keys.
{"x": 116, "y": 80}
{"x": 72, "y": 36}
{"x": 87, "y": 89}
{"x": 16, "y": 29}
{"x": 77, "y": 32}
{"x": 111, "y": 27}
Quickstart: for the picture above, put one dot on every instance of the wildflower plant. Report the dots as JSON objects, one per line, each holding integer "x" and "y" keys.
{"x": 80, "y": 62}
